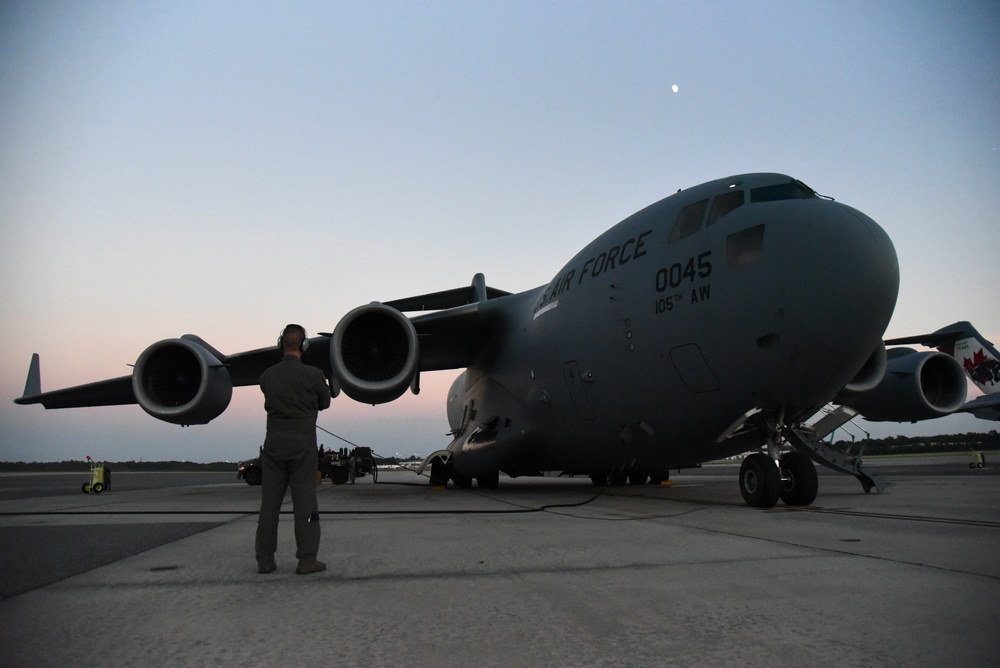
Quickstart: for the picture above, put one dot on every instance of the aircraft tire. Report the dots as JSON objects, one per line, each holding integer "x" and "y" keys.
{"x": 617, "y": 479}
{"x": 638, "y": 477}
{"x": 659, "y": 478}
{"x": 760, "y": 481}
{"x": 799, "y": 482}
{"x": 599, "y": 479}
{"x": 462, "y": 482}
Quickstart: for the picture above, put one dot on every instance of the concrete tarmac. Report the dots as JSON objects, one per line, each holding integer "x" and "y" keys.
{"x": 540, "y": 572}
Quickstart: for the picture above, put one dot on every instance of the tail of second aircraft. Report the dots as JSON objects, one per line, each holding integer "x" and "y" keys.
{"x": 978, "y": 357}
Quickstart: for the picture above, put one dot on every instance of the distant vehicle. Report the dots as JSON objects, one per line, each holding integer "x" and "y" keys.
{"x": 249, "y": 471}
{"x": 336, "y": 464}
{"x": 333, "y": 464}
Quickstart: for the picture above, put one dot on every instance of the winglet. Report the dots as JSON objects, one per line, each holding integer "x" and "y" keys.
{"x": 33, "y": 385}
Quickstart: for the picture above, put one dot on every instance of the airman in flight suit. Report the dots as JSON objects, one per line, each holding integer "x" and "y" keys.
{"x": 294, "y": 393}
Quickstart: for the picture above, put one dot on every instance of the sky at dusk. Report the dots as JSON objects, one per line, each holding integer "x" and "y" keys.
{"x": 223, "y": 168}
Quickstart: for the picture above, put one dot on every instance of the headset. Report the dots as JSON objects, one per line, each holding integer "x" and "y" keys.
{"x": 304, "y": 346}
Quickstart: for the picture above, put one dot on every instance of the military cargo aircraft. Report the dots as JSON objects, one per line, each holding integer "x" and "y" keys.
{"x": 714, "y": 322}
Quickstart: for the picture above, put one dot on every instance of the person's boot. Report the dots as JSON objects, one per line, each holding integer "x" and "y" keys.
{"x": 310, "y": 566}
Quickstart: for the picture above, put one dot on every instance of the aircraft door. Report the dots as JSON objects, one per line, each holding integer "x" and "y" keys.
{"x": 577, "y": 391}
{"x": 693, "y": 369}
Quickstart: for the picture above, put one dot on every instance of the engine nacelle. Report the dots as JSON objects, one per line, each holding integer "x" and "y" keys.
{"x": 374, "y": 354}
{"x": 916, "y": 386}
{"x": 179, "y": 381}
{"x": 871, "y": 374}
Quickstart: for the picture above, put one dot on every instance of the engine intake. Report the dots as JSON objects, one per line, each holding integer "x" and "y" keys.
{"x": 916, "y": 386}
{"x": 181, "y": 382}
{"x": 374, "y": 354}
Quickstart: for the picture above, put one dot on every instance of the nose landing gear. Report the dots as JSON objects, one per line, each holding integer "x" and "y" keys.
{"x": 760, "y": 482}
{"x": 780, "y": 472}
{"x": 799, "y": 482}
{"x": 790, "y": 453}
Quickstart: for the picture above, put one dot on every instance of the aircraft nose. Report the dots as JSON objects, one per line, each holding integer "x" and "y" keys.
{"x": 842, "y": 276}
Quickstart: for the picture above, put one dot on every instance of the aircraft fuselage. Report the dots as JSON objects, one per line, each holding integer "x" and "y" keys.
{"x": 739, "y": 294}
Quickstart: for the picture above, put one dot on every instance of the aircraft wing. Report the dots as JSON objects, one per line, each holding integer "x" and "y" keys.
{"x": 246, "y": 368}
{"x": 454, "y": 334}
{"x": 945, "y": 337}
{"x": 243, "y": 368}
{"x": 187, "y": 381}
{"x": 113, "y": 392}
{"x": 446, "y": 299}
{"x": 986, "y": 407}
{"x": 451, "y": 339}
{"x": 942, "y": 337}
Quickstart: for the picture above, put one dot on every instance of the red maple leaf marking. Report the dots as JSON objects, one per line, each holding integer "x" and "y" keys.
{"x": 977, "y": 359}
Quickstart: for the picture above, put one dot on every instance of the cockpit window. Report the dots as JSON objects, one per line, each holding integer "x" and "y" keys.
{"x": 724, "y": 204}
{"x": 790, "y": 190}
{"x": 688, "y": 221}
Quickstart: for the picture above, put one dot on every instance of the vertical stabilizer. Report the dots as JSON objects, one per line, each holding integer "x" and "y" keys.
{"x": 978, "y": 357}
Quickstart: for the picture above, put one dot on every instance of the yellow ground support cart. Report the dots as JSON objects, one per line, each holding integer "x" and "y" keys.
{"x": 100, "y": 478}
{"x": 978, "y": 460}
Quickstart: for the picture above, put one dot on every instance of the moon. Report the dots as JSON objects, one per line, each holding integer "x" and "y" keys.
{"x": 674, "y": 88}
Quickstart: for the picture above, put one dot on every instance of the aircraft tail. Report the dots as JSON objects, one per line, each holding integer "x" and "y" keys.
{"x": 978, "y": 357}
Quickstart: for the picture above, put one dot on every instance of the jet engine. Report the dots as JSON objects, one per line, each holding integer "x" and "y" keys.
{"x": 181, "y": 382}
{"x": 374, "y": 353}
{"x": 871, "y": 374}
{"x": 916, "y": 386}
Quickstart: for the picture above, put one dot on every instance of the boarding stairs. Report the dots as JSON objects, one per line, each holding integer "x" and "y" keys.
{"x": 809, "y": 439}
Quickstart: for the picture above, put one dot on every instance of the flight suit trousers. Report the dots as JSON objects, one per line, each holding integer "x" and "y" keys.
{"x": 278, "y": 474}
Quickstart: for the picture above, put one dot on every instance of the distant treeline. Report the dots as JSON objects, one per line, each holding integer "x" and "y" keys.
{"x": 76, "y": 465}
{"x": 913, "y": 445}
